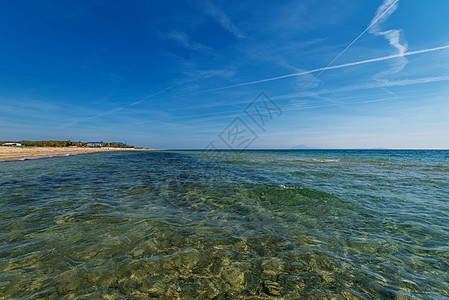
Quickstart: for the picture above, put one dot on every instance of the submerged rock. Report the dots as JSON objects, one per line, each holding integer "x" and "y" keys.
{"x": 272, "y": 288}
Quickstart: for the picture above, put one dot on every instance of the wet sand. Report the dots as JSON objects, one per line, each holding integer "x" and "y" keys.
{"x": 10, "y": 153}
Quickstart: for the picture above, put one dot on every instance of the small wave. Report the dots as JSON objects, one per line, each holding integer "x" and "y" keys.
{"x": 34, "y": 157}
{"x": 325, "y": 160}
{"x": 290, "y": 187}
{"x": 23, "y": 158}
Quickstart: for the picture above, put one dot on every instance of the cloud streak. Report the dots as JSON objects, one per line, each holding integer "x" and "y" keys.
{"x": 182, "y": 39}
{"x": 382, "y": 13}
{"x": 373, "y": 22}
{"x": 222, "y": 19}
{"x": 112, "y": 111}
{"x": 373, "y": 85}
{"x": 361, "y": 62}
{"x": 393, "y": 36}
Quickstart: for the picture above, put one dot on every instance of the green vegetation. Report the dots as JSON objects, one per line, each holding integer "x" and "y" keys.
{"x": 69, "y": 144}
{"x": 117, "y": 145}
{"x": 49, "y": 143}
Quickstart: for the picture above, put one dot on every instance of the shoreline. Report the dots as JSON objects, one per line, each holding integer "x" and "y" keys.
{"x": 8, "y": 154}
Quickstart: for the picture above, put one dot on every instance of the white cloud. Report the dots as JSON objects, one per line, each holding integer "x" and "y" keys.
{"x": 393, "y": 36}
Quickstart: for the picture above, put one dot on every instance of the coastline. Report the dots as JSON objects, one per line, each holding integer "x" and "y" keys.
{"x": 17, "y": 153}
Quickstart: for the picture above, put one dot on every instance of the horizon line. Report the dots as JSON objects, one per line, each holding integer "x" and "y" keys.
{"x": 299, "y": 149}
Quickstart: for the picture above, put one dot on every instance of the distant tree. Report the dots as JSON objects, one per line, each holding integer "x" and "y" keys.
{"x": 68, "y": 143}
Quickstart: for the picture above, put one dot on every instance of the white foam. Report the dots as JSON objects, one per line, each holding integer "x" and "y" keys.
{"x": 290, "y": 187}
{"x": 325, "y": 160}
{"x": 33, "y": 158}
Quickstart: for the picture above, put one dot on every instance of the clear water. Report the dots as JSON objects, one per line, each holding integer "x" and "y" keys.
{"x": 237, "y": 225}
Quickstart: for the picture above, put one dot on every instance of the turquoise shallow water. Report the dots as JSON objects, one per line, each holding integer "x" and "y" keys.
{"x": 234, "y": 225}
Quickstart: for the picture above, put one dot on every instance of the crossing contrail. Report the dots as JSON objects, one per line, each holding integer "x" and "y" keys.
{"x": 361, "y": 62}
{"x": 376, "y": 19}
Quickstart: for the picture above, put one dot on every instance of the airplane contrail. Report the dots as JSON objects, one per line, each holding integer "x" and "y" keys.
{"x": 361, "y": 62}
{"x": 389, "y": 10}
{"x": 373, "y": 22}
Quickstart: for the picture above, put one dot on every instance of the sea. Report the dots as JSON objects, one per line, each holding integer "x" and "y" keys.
{"x": 256, "y": 224}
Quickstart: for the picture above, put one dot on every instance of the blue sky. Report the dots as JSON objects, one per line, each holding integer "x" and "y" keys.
{"x": 171, "y": 74}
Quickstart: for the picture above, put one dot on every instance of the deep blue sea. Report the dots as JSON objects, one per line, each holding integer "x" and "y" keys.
{"x": 226, "y": 225}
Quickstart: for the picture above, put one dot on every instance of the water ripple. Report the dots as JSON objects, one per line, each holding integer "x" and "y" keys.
{"x": 245, "y": 225}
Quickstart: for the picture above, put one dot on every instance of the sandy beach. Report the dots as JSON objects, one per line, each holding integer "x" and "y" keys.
{"x": 7, "y": 153}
